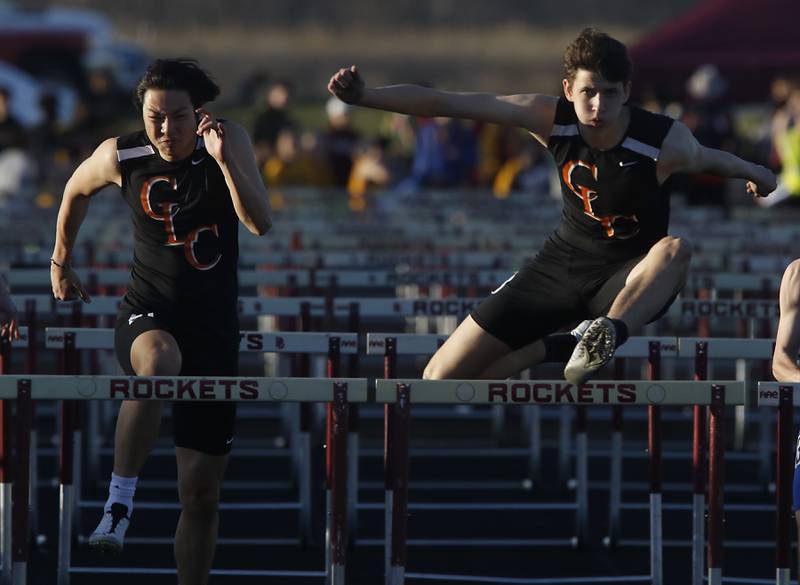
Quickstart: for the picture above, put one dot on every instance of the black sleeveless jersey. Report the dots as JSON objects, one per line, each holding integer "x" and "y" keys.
{"x": 185, "y": 234}
{"x": 613, "y": 204}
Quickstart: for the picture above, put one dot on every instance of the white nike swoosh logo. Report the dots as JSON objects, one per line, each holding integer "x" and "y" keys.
{"x": 229, "y": 441}
{"x": 627, "y": 164}
{"x": 198, "y": 161}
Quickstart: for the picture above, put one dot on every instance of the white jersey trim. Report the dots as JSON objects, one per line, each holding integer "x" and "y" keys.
{"x": 135, "y": 152}
{"x": 641, "y": 148}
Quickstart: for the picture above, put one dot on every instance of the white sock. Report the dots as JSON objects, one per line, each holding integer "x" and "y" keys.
{"x": 580, "y": 329}
{"x": 121, "y": 491}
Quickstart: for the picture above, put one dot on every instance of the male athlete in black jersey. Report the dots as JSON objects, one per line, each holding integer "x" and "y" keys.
{"x": 611, "y": 258}
{"x": 189, "y": 180}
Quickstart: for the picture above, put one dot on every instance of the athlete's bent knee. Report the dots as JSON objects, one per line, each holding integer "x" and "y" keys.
{"x": 157, "y": 359}
{"x": 202, "y": 501}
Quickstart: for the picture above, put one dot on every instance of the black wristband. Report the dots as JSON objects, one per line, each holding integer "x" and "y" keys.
{"x": 64, "y": 265}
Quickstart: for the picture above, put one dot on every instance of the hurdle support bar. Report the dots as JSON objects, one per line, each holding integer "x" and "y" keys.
{"x": 698, "y": 466}
{"x": 716, "y": 463}
{"x": 5, "y": 492}
{"x": 337, "y": 474}
{"x": 389, "y": 371}
{"x": 783, "y": 496}
{"x": 399, "y": 464}
{"x": 20, "y": 489}
{"x": 66, "y": 490}
{"x": 582, "y": 477}
{"x": 654, "y": 450}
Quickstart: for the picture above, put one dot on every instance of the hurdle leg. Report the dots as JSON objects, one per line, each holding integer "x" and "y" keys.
{"x": 352, "y": 481}
{"x": 764, "y": 447}
{"x": 20, "y": 520}
{"x": 716, "y": 462}
{"x": 5, "y": 492}
{"x": 656, "y": 542}
{"x": 783, "y": 492}
{"x": 77, "y": 462}
{"x": 303, "y": 463}
{"x": 399, "y": 460}
{"x": 699, "y": 446}
{"x": 66, "y": 490}
{"x": 615, "y": 479}
{"x": 93, "y": 434}
{"x": 33, "y": 482}
{"x": 582, "y": 476}
{"x": 388, "y": 445}
{"x": 698, "y": 495}
{"x": 532, "y": 420}
{"x": 498, "y": 423}
{"x": 564, "y": 443}
{"x": 337, "y": 495}
{"x": 740, "y": 410}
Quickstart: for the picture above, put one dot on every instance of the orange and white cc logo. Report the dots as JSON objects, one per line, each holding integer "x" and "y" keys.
{"x": 169, "y": 209}
{"x": 615, "y": 225}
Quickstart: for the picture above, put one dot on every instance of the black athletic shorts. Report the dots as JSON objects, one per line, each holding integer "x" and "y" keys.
{"x": 557, "y": 288}
{"x": 202, "y": 426}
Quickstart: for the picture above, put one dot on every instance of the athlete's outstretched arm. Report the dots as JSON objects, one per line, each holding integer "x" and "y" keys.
{"x": 682, "y": 153}
{"x": 99, "y": 170}
{"x": 230, "y": 146}
{"x": 787, "y": 342}
{"x": 533, "y": 112}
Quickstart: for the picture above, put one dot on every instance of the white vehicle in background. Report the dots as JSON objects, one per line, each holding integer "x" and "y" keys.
{"x": 61, "y": 45}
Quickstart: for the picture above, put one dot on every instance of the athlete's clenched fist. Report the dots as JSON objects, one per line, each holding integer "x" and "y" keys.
{"x": 347, "y": 85}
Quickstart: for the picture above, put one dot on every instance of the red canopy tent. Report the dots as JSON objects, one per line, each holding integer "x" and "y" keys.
{"x": 750, "y": 41}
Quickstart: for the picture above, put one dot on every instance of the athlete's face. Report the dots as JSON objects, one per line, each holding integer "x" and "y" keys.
{"x": 170, "y": 122}
{"x": 598, "y": 102}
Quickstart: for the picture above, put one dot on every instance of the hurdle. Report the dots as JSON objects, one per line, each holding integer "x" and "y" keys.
{"x": 25, "y": 389}
{"x": 403, "y": 393}
{"x": 71, "y": 339}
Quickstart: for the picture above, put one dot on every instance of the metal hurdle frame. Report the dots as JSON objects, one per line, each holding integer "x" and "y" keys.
{"x": 73, "y": 339}
{"x": 651, "y": 393}
{"x": 25, "y": 389}
{"x": 784, "y": 397}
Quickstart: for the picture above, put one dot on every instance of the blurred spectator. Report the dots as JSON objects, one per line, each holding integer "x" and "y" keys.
{"x": 17, "y": 171}
{"x": 340, "y": 141}
{"x": 272, "y": 120}
{"x": 372, "y": 170}
{"x": 12, "y": 134}
{"x": 53, "y": 161}
{"x": 288, "y": 164}
{"x": 527, "y": 171}
{"x": 445, "y": 155}
{"x": 786, "y": 144}
{"x": 104, "y": 102}
{"x": 460, "y": 142}
{"x": 707, "y": 114}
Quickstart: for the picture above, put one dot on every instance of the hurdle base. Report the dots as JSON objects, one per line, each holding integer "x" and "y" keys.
{"x": 396, "y": 575}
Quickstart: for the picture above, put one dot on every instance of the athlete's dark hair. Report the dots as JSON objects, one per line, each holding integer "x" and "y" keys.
{"x": 182, "y": 74}
{"x": 596, "y": 51}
